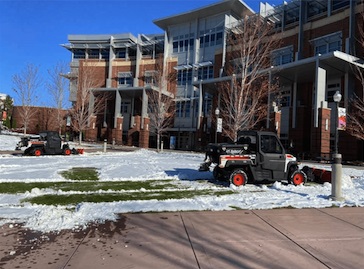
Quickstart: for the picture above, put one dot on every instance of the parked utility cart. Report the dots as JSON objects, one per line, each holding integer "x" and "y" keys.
{"x": 257, "y": 156}
{"x": 46, "y": 143}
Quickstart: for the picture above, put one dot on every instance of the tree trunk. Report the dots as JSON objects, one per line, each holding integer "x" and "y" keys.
{"x": 80, "y": 138}
{"x": 158, "y": 142}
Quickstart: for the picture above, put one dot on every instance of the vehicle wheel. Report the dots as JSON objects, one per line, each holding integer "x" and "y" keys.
{"x": 298, "y": 177}
{"x": 37, "y": 152}
{"x": 67, "y": 152}
{"x": 217, "y": 173}
{"x": 238, "y": 178}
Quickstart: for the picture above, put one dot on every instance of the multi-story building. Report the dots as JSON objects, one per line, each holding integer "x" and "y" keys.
{"x": 318, "y": 51}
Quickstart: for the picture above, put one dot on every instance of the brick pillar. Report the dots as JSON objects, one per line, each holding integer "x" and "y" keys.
{"x": 91, "y": 132}
{"x": 135, "y": 128}
{"x": 144, "y": 134}
{"x": 117, "y": 132}
{"x": 320, "y": 137}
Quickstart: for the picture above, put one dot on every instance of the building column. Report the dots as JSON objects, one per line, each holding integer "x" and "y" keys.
{"x": 144, "y": 108}
{"x": 91, "y": 132}
{"x": 144, "y": 134}
{"x": 320, "y": 136}
{"x": 117, "y": 132}
{"x": 117, "y": 109}
{"x": 320, "y": 89}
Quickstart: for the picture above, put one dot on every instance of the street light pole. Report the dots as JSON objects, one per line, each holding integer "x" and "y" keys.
{"x": 336, "y": 163}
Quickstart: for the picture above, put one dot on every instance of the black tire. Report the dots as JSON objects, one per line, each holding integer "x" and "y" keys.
{"x": 217, "y": 173}
{"x": 298, "y": 177}
{"x": 37, "y": 152}
{"x": 67, "y": 151}
{"x": 238, "y": 177}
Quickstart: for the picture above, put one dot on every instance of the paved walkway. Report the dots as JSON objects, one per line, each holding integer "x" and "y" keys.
{"x": 278, "y": 238}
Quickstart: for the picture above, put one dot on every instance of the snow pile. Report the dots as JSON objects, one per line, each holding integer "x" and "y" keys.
{"x": 149, "y": 165}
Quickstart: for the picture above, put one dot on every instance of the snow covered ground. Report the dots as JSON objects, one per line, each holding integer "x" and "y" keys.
{"x": 148, "y": 165}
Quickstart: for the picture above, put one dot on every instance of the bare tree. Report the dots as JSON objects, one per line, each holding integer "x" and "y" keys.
{"x": 26, "y": 85}
{"x": 355, "y": 124}
{"x": 57, "y": 90}
{"x": 161, "y": 108}
{"x": 243, "y": 100}
{"x": 89, "y": 102}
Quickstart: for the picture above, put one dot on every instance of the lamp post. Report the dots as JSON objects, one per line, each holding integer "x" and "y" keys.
{"x": 217, "y": 113}
{"x": 337, "y": 98}
{"x": 336, "y": 163}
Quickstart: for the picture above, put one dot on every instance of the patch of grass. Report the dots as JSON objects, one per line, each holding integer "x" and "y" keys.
{"x": 74, "y": 199}
{"x": 81, "y": 173}
{"x": 90, "y": 186}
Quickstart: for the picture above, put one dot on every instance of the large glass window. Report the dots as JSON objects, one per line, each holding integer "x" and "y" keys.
{"x": 183, "y": 43}
{"x": 93, "y": 54}
{"x": 79, "y": 54}
{"x": 184, "y": 76}
{"x": 206, "y": 72}
{"x": 328, "y": 43}
{"x": 219, "y": 38}
{"x": 120, "y": 53}
{"x": 105, "y": 54}
{"x": 283, "y": 56}
{"x": 270, "y": 144}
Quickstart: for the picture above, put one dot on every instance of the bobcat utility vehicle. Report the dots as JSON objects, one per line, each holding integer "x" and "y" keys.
{"x": 256, "y": 157}
{"x": 46, "y": 143}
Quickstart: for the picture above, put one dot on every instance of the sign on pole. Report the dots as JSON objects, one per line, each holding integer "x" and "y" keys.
{"x": 342, "y": 118}
{"x": 219, "y": 125}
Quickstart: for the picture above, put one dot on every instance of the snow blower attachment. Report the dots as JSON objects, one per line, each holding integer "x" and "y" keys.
{"x": 256, "y": 157}
{"x": 46, "y": 143}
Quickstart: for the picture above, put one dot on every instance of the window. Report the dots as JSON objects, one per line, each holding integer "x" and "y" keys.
{"x": 283, "y": 56}
{"x": 120, "y": 53}
{"x": 79, "y": 54}
{"x": 210, "y": 39}
{"x": 184, "y": 77}
{"x": 125, "y": 107}
{"x": 206, "y": 72}
{"x": 105, "y": 54}
{"x": 270, "y": 144}
{"x": 219, "y": 38}
{"x": 183, "y": 109}
{"x": 150, "y": 77}
{"x": 125, "y": 79}
{"x": 175, "y": 46}
{"x": 192, "y": 42}
{"x": 183, "y": 43}
{"x": 187, "y": 109}
{"x": 178, "y": 109}
{"x": 93, "y": 54}
{"x": 337, "y": 4}
{"x": 327, "y": 43}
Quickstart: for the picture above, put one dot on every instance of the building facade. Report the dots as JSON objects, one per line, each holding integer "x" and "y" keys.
{"x": 317, "y": 57}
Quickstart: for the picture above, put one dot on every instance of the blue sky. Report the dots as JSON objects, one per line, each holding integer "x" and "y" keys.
{"x": 31, "y": 31}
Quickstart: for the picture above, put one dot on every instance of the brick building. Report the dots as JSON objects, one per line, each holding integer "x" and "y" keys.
{"x": 41, "y": 119}
{"x": 319, "y": 48}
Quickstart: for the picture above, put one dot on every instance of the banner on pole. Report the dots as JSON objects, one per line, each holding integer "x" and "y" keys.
{"x": 219, "y": 125}
{"x": 342, "y": 118}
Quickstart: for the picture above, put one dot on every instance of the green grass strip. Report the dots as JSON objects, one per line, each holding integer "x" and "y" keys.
{"x": 90, "y": 186}
{"x": 74, "y": 199}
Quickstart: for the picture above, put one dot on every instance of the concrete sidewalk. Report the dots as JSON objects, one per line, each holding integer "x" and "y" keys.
{"x": 278, "y": 238}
